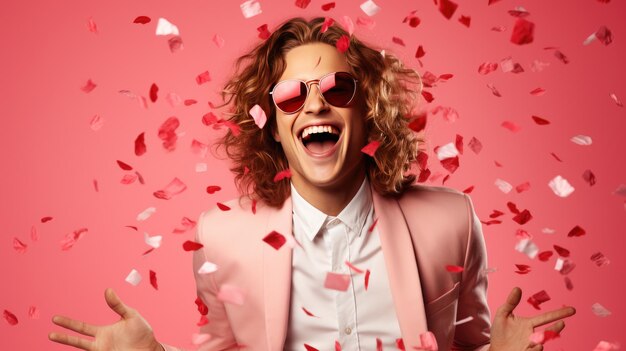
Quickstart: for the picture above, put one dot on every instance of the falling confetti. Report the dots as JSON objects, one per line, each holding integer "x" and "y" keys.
{"x": 370, "y": 8}
{"x": 250, "y": 8}
{"x": 337, "y": 281}
{"x": 275, "y": 239}
{"x": 207, "y": 267}
{"x": 176, "y": 186}
{"x": 560, "y": 186}
{"x": 258, "y": 115}
{"x": 164, "y": 27}
{"x": 133, "y": 278}
{"x": 523, "y": 32}
{"x": 371, "y": 148}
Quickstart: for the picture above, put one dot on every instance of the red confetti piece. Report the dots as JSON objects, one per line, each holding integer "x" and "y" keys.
{"x": 19, "y": 246}
{"x": 371, "y": 148}
{"x": 89, "y": 86}
{"x": 328, "y": 6}
{"x": 413, "y": 20}
{"x": 203, "y": 321}
{"x": 418, "y": 123}
{"x": 458, "y": 143}
{"x": 307, "y": 346}
{"x": 428, "y": 341}
{"x": 512, "y": 126}
{"x": 568, "y": 283}
{"x": 96, "y": 123}
{"x": 46, "y": 219}
{"x": 354, "y": 268}
{"x": 487, "y": 67}
{"x": 599, "y": 259}
{"x": 492, "y": 2}
{"x": 175, "y": 187}
{"x": 451, "y": 164}
{"x": 604, "y": 35}
{"x": 189, "y": 102}
{"x": 538, "y": 298}
{"x": 420, "y": 52}
{"x": 468, "y": 190}
{"x": 379, "y": 344}
{"x": 140, "y": 178}
{"x": 148, "y": 251}
{"x": 454, "y": 269}
{"x": 91, "y": 25}
{"x": 203, "y": 77}
{"x": 523, "y": 217}
{"x": 475, "y": 145}
{"x": 71, "y": 238}
{"x": 337, "y": 346}
{"x": 519, "y": 12}
{"x": 202, "y": 308}
{"x": 167, "y": 133}
{"x": 209, "y": 119}
{"x": 540, "y": 121}
{"x": 555, "y": 156}
{"x": 264, "y": 33}
{"x": 124, "y": 166}
{"x": 447, "y": 8}
{"x": 286, "y": 173}
{"x": 371, "y": 228}
{"x": 522, "y": 32}
{"x": 465, "y": 20}
{"x": 211, "y": 189}
{"x": 337, "y": 281}
{"x": 10, "y": 317}
{"x": 327, "y": 23}
{"x": 494, "y": 90}
{"x": 563, "y": 252}
{"x": 343, "y": 43}
{"x": 302, "y": 3}
{"x": 223, "y": 207}
{"x": 192, "y": 246}
{"x": 95, "y": 185}
{"x": 308, "y": 313}
{"x": 275, "y": 239}
{"x": 154, "y": 89}
{"x": 128, "y": 179}
{"x": 616, "y": 100}
{"x": 140, "y": 144}
{"x": 576, "y": 231}
{"x": 153, "y": 280}
{"x": 142, "y": 20}
{"x": 496, "y": 214}
{"x": 428, "y": 96}
{"x": 254, "y": 206}
{"x": 187, "y": 225}
{"x": 589, "y": 177}
{"x": 398, "y": 41}
{"x": 34, "y": 236}
{"x": 400, "y": 344}
{"x": 522, "y": 187}
{"x": 522, "y": 269}
{"x": 367, "y": 279}
{"x": 538, "y": 92}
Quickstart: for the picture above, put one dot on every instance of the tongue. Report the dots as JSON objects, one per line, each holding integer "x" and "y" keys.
{"x": 319, "y": 147}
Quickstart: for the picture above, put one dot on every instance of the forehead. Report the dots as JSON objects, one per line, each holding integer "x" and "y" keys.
{"x": 311, "y": 61}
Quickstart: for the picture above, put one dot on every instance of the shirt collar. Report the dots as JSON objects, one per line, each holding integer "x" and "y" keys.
{"x": 353, "y": 215}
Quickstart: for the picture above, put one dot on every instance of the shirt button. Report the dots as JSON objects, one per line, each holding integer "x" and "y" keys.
{"x": 348, "y": 330}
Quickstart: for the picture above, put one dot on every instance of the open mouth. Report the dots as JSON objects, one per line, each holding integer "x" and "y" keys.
{"x": 320, "y": 139}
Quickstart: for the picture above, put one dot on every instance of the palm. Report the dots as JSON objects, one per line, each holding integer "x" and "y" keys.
{"x": 131, "y": 332}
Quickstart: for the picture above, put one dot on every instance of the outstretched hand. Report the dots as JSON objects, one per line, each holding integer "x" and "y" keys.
{"x": 512, "y": 333}
{"x": 131, "y": 332}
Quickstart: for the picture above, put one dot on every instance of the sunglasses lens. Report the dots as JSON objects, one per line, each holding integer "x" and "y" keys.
{"x": 289, "y": 95}
{"x": 338, "y": 88}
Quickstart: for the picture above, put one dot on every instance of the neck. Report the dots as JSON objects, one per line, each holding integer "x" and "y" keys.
{"x": 330, "y": 200}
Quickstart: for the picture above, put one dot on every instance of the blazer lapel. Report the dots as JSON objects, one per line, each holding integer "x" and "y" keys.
{"x": 277, "y": 277}
{"x": 402, "y": 270}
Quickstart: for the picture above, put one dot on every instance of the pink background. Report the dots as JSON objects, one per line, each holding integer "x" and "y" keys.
{"x": 51, "y": 156}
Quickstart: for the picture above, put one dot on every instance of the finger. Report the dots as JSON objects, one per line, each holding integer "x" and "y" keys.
{"x": 552, "y": 316}
{"x": 71, "y": 341}
{"x": 77, "y": 326}
{"x": 511, "y": 301}
{"x": 116, "y": 304}
{"x": 557, "y": 327}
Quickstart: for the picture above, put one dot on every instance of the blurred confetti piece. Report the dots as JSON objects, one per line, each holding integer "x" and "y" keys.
{"x": 308, "y": 313}
{"x": 337, "y": 281}
{"x": 563, "y": 252}
{"x": 412, "y": 19}
{"x": 328, "y": 6}
{"x": 264, "y": 32}
{"x": 34, "y": 235}
{"x": 454, "y": 269}
{"x": 523, "y": 32}
{"x": 527, "y": 247}
{"x": 33, "y": 312}
{"x": 202, "y": 308}
{"x": 589, "y": 177}
{"x": 564, "y": 266}
{"x": 201, "y": 167}
{"x": 581, "y": 140}
{"x": 88, "y": 86}
{"x": 133, "y": 278}
{"x": 606, "y": 346}
{"x": 538, "y": 298}
{"x": 576, "y": 231}
{"x": 522, "y": 269}
{"x": 250, "y": 8}
{"x": 308, "y": 347}
{"x": 218, "y": 41}
{"x": 146, "y": 214}
{"x": 428, "y": 341}
{"x": 600, "y": 310}
{"x": 545, "y": 256}
{"x": 302, "y": 3}
{"x": 447, "y": 8}
{"x": 124, "y": 166}
{"x": 328, "y": 21}
{"x": 366, "y": 22}
{"x": 465, "y": 20}
{"x": 475, "y": 145}
{"x": 616, "y": 100}
{"x": 347, "y": 24}
{"x": 542, "y": 336}
{"x": 560, "y": 186}
{"x": 142, "y": 19}
{"x": 231, "y": 294}
{"x": 154, "y": 92}
{"x": 192, "y": 246}
{"x": 494, "y": 90}
{"x": 519, "y": 11}
{"x": 284, "y": 174}
{"x": 175, "y": 43}
{"x": 153, "y": 241}
{"x": 398, "y": 41}
{"x": 343, "y": 43}
{"x": 96, "y": 123}
{"x": 164, "y": 27}
{"x": 370, "y": 8}
{"x": 540, "y": 121}
{"x": 71, "y": 238}
{"x": 167, "y": 133}
{"x": 176, "y": 186}
{"x": 19, "y": 246}
{"x": 203, "y": 77}
{"x": 464, "y": 320}
{"x": 199, "y": 338}
{"x": 621, "y": 190}
{"x": 187, "y": 225}
{"x": 568, "y": 283}
{"x": 275, "y": 239}
{"x": 503, "y": 185}
{"x": 9, "y": 317}
{"x": 354, "y": 268}
{"x": 207, "y": 267}
{"x": 371, "y": 148}
{"x": 537, "y": 92}
{"x": 487, "y": 67}
{"x": 599, "y": 259}
{"x": 367, "y": 278}
{"x": 259, "y": 116}
{"x": 153, "y": 280}
{"x": 446, "y": 151}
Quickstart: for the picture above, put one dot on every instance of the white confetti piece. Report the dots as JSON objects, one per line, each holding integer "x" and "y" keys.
{"x": 165, "y": 27}
{"x": 447, "y": 151}
{"x": 370, "y": 8}
{"x": 464, "y": 320}
{"x": 133, "y": 278}
{"x": 219, "y": 41}
{"x": 250, "y": 8}
{"x": 198, "y": 339}
{"x": 548, "y": 231}
{"x": 146, "y": 214}
{"x": 259, "y": 116}
{"x": 600, "y": 310}
{"x": 564, "y": 265}
{"x": 560, "y": 186}
{"x": 504, "y": 186}
{"x": 581, "y": 140}
{"x": 621, "y": 190}
{"x": 527, "y": 247}
{"x": 153, "y": 241}
{"x": 207, "y": 267}
{"x": 616, "y": 100}
{"x": 201, "y": 167}
{"x": 606, "y": 346}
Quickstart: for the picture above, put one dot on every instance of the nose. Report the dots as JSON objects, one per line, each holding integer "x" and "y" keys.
{"x": 315, "y": 103}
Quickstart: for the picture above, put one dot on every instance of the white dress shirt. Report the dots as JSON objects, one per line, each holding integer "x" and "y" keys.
{"x": 356, "y": 317}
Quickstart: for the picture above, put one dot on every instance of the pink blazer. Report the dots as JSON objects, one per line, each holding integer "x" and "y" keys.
{"x": 421, "y": 232}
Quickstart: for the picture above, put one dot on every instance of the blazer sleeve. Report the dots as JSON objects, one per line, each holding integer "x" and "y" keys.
{"x": 475, "y": 334}
{"x": 222, "y": 338}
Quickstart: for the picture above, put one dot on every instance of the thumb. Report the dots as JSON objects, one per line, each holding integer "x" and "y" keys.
{"x": 511, "y": 301}
{"x": 116, "y": 304}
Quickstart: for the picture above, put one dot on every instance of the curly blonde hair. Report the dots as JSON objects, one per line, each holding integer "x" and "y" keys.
{"x": 389, "y": 93}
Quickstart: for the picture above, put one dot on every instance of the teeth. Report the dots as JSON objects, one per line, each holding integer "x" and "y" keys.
{"x": 319, "y": 129}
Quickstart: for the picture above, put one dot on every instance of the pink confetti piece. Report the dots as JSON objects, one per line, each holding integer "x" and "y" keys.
{"x": 366, "y": 22}
{"x": 175, "y": 100}
{"x": 218, "y": 41}
{"x": 71, "y": 238}
{"x": 259, "y": 116}
{"x": 523, "y": 32}
{"x": 187, "y": 224}
{"x": 133, "y": 278}
{"x": 207, "y": 267}
{"x": 203, "y": 77}
{"x": 347, "y": 24}
{"x": 370, "y": 149}
{"x": 454, "y": 269}
{"x": 370, "y": 8}
{"x": 153, "y": 241}
{"x": 175, "y": 187}
{"x": 153, "y": 280}
{"x": 475, "y": 145}
{"x": 538, "y": 298}
{"x": 600, "y": 310}
{"x": 487, "y": 67}
{"x": 354, "y": 268}
{"x": 284, "y": 174}
{"x": 328, "y": 6}
{"x": 200, "y": 338}
{"x": 165, "y": 27}
{"x": 231, "y": 294}
{"x": 343, "y": 43}
{"x": 250, "y": 8}
{"x": 560, "y": 186}
{"x": 10, "y": 317}
{"x": 34, "y": 235}
{"x": 302, "y": 3}
{"x": 167, "y": 133}
{"x": 337, "y": 281}
{"x": 88, "y": 86}
{"x": 398, "y": 41}
{"x": 428, "y": 341}
{"x": 519, "y": 12}
{"x": 599, "y": 259}
{"x": 33, "y": 312}
{"x": 504, "y": 186}
{"x": 145, "y": 214}
{"x": 465, "y": 20}
{"x": 605, "y": 345}
{"x": 19, "y": 246}
{"x": 447, "y": 8}
{"x": 581, "y": 140}
{"x": 96, "y": 123}
{"x": 564, "y": 266}
{"x": 616, "y": 100}
{"x": 527, "y": 247}
{"x": 142, "y": 19}
{"x": 275, "y": 240}
{"x": 494, "y": 90}
{"x": 328, "y": 21}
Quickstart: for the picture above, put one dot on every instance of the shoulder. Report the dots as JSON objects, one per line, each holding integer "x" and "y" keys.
{"x": 435, "y": 198}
